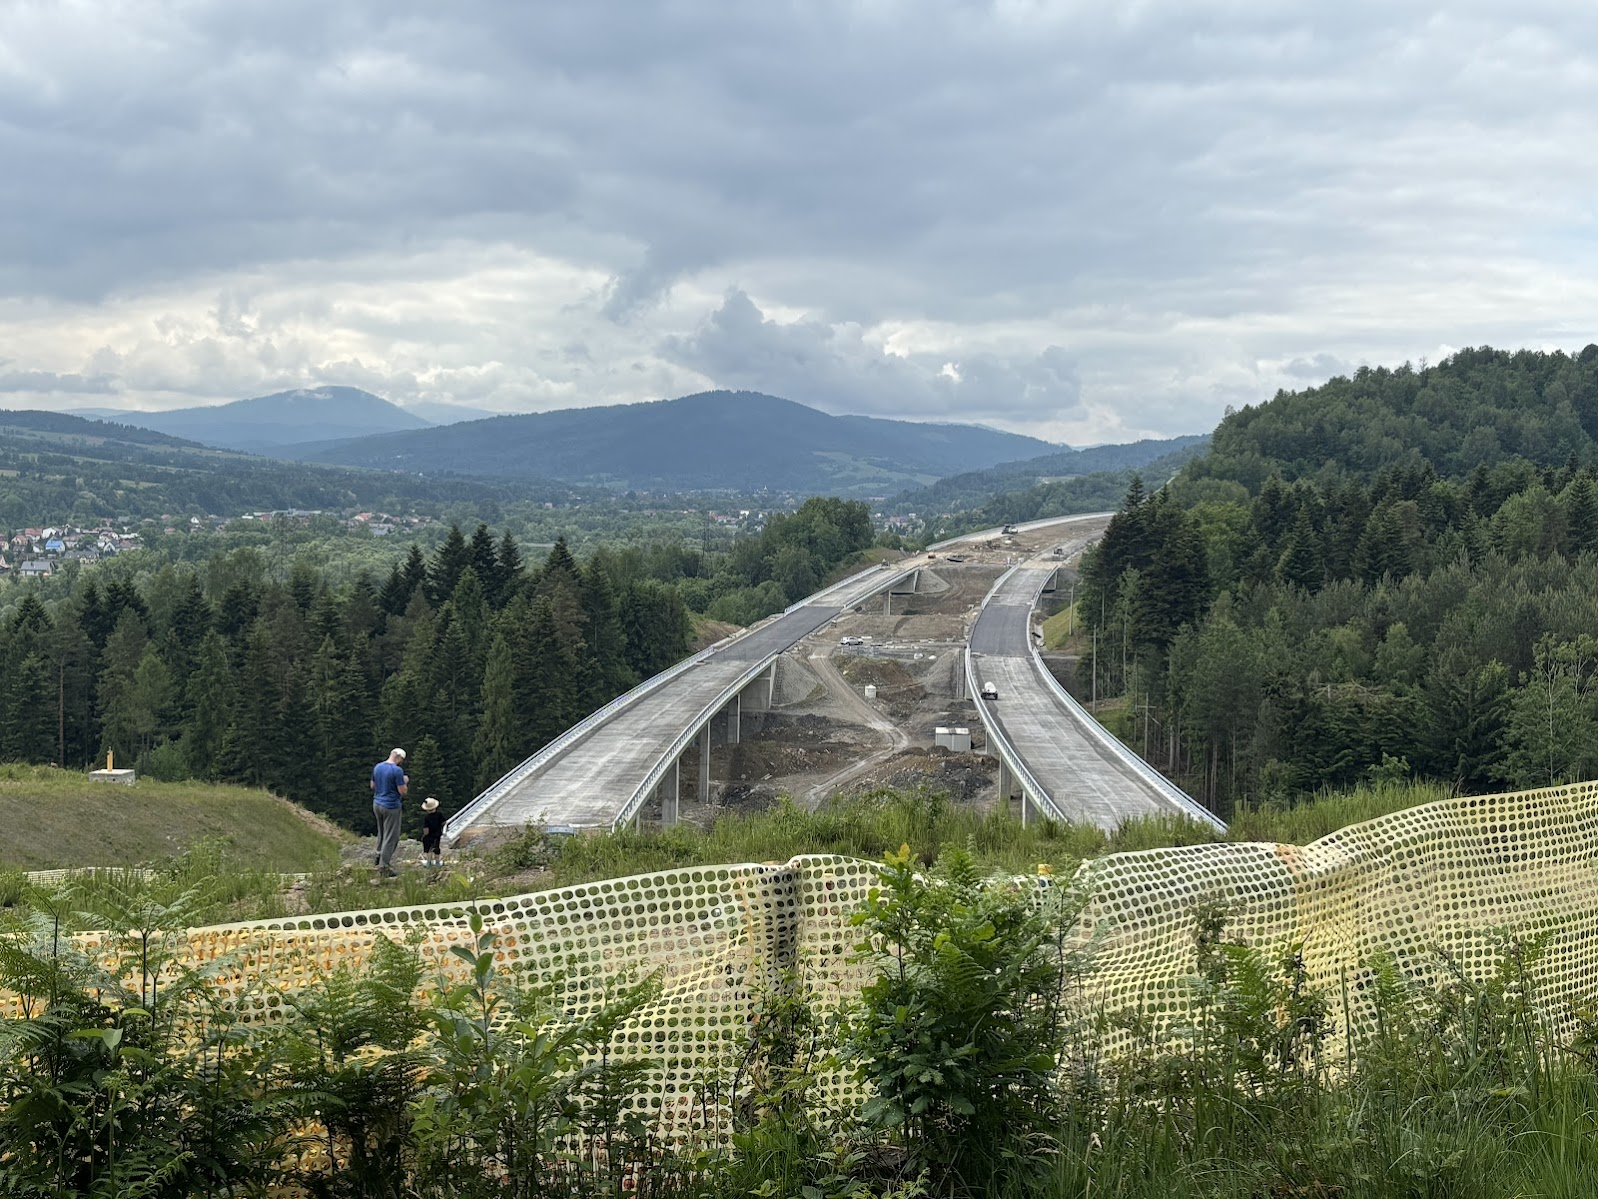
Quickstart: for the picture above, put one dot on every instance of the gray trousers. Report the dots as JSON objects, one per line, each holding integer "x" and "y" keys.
{"x": 388, "y": 831}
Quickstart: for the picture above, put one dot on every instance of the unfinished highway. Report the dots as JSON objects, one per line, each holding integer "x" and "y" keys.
{"x": 1061, "y": 761}
{"x": 600, "y": 773}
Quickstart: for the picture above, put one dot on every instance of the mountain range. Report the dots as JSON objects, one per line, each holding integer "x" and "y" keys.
{"x": 716, "y": 440}
{"x": 267, "y": 423}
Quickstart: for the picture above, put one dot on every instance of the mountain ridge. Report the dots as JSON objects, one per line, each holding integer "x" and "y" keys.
{"x": 715, "y": 440}
{"x": 262, "y": 424}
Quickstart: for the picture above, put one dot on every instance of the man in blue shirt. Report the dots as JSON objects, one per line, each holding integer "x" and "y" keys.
{"x": 388, "y": 789}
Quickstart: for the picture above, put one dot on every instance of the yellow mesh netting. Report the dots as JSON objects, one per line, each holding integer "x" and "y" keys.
{"x": 1437, "y": 878}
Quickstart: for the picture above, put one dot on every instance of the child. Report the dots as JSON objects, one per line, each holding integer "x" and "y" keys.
{"x": 432, "y": 833}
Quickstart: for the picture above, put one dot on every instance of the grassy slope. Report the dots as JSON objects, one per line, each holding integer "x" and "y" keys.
{"x": 58, "y": 818}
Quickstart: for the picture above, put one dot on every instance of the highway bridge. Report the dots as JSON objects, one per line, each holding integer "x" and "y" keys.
{"x": 1051, "y": 752}
{"x": 603, "y": 771}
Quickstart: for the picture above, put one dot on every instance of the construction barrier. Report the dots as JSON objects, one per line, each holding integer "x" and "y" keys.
{"x": 1445, "y": 880}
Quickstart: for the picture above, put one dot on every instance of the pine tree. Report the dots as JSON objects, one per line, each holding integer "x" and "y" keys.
{"x": 1301, "y": 563}
{"x": 27, "y": 699}
{"x": 509, "y": 576}
{"x": 560, "y": 584}
{"x": 1581, "y": 516}
{"x": 485, "y": 557}
{"x": 605, "y": 672}
{"x": 546, "y": 693}
{"x": 452, "y": 557}
{"x": 124, "y": 650}
{"x": 180, "y": 643}
{"x": 497, "y": 742}
{"x": 211, "y": 699}
{"x": 471, "y": 614}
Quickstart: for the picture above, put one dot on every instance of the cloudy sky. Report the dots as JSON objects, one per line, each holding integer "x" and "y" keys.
{"x": 1086, "y": 220}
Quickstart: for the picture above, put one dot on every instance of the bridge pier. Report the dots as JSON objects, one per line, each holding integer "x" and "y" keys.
{"x": 1009, "y": 788}
{"x": 762, "y": 691}
{"x": 671, "y": 794}
{"x": 704, "y": 763}
{"x": 735, "y": 719}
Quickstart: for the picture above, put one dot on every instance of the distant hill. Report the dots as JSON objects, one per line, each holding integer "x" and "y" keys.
{"x": 716, "y": 440}
{"x": 55, "y": 466}
{"x": 267, "y": 423}
{"x": 975, "y": 488}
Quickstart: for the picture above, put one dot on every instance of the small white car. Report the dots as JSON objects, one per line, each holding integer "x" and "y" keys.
{"x": 989, "y": 691}
{"x": 851, "y": 641}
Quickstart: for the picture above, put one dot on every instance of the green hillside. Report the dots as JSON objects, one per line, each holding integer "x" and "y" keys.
{"x": 716, "y": 441}
{"x": 57, "y": 468}
{"x": 1478, "y": 408}
{"x": 58, "y": 818}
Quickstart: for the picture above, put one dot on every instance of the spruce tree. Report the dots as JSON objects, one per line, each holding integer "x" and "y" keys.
{"x": 1301, "y": 563}
{"x": 452, "y": 557}
{"x": 605, "y": 672}
{"x": 497, "y": 743}
{"x": 27, "y": 699}
{"x": 485, "y": 557}
{"x": 509, "y": 576}
{"x": 1581, "y": 516}
{"x": 211, "y": 699}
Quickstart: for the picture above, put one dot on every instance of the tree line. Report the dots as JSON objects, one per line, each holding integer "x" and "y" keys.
{"x": 1324, "y": 626}
{"x": 470, "y": 659}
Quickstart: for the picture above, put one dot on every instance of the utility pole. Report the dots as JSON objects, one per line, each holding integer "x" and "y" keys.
{"x": 1070, "y": 619}
{"x": 1095, "y": 670}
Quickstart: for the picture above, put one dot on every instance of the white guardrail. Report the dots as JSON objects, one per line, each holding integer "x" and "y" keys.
{"x": 461, "y": 820}
{"x": 1114, "y": 745}
{"x": 996, "y": 735}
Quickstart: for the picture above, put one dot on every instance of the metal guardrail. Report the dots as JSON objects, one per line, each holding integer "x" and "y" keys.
{"x": 490, "y": 795}
{"x": 1084, "y": 720}
{"x": 1007, "y": 752}
{"x": 1114, "y": 745}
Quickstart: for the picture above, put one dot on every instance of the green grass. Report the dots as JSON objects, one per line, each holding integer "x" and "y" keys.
{"x": 57, "y": 819}
{"x": 872, "y": 825}
{"x": 1060, "y": 628}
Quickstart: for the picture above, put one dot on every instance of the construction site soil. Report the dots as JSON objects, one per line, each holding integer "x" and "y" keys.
{"x": 825, "y": 737}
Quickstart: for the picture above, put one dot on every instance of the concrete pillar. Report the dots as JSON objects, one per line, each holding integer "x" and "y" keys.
{"x": 1004, "y": 781}
{"x": 704, "y": 763}
{"x": 735, "y": 719}
{"x": 1026, "y": 809}
{"x": 887, "y": 602}
{"x": 762, "y": 691}
{"x": 670, "y": 797}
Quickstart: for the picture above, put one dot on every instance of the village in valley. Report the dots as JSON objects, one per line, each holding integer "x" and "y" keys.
{"x": 39, "y": 553}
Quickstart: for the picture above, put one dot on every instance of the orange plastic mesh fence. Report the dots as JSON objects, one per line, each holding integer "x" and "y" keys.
{"x": 1441, "y": 877}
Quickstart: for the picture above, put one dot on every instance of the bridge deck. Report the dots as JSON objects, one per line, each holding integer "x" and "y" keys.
{"x": 589, "y": 785}
{"x": 1083, "y": 778}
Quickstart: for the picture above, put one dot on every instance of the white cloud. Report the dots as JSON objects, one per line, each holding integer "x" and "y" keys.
{"x": 532, "y": 206}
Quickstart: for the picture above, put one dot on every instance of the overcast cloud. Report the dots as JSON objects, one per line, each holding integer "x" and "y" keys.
{"x": 1087, "y": 221}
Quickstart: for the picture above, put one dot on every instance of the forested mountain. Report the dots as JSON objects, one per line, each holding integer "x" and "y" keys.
{"x": 740, "y": 441}
{"x": 266, "y": 423}
{"x": 1401, "y": 608}
{"x": 972, "y": 490}
{"x": 56, "y": 468}
{"x": 1479, "y": 408}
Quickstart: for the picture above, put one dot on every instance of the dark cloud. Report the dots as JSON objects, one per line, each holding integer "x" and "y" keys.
{"x": 836, "y": 368}
{"x": 1195, "y": 199}
{"x": 50, "y": 383}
